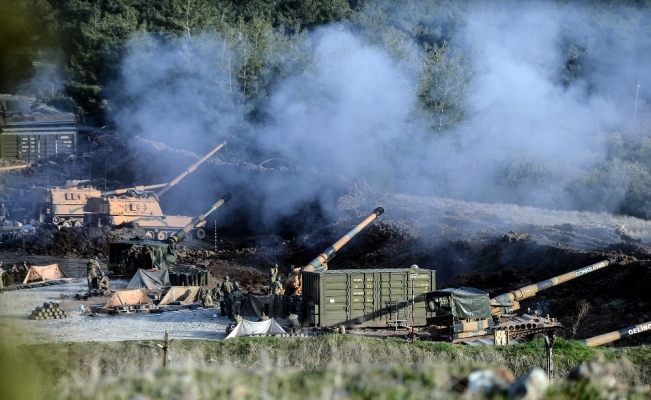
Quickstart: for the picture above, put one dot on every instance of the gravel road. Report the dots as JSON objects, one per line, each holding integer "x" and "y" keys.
{"x": 15, "y": 306}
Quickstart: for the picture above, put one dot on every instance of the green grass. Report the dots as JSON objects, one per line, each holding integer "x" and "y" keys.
{"x": 332, "y": 366}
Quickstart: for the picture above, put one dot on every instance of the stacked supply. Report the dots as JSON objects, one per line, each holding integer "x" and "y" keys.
{"x": 48, "y": 311}
{"x": 188, "y": 276}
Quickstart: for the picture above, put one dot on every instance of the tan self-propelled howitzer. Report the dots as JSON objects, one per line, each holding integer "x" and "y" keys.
{"x": 616, "y": 335}
{"x": 468, "y": 315}
{"x": 140, "y": 206}
{"x": 127, "y": 256}
{"x": 293, "y": 284}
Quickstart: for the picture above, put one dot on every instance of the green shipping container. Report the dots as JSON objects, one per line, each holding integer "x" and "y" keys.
{"x": 365, "y": 298}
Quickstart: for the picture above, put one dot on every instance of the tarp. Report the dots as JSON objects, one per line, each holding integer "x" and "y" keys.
{"x": 465, "y": 302}
{"x": 149, "y": 279}
{"x": 44, "y": 273}
{"x": 254, "y": 305}
{"x": 248, "y": 328}
{"x": 128, "y": 298}
{"x": 184, "y": 294}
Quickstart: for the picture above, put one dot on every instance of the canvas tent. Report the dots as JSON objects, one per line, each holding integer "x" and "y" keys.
{"x": 44, "y": 273}
{"x": 128, "y": 298}
{"x": 149, "y": 279}
{"x": 6, "y": 279}
{"x": 184, "y": 294}
{"x": 248, "y": 328}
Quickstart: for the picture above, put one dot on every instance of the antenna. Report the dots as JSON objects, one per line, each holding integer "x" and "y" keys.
{"x": 637, "y": 92}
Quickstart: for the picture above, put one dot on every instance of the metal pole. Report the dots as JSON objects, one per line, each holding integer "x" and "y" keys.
{"x": 413, "y": 302}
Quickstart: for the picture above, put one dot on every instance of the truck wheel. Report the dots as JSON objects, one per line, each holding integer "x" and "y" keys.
{"x": 149, "y": 235}
{"x": 161, "y": 235}
{"x": 201, "y": 233}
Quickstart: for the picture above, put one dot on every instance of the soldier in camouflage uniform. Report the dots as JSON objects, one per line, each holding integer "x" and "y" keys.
{"x": 292, "y": 322}
{"x": 92, "y": 274}
{"x": 272, "y": 274}
{"x": 227, "y": 289}
{"x": 23, "y": 270}
{"x": 238, "y": 298}
{"x": 103, "y": 283}
{"x": 207, "y": 299}
{"x": 277, "y": 287}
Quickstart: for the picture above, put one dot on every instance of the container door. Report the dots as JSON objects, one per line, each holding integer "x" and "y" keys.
{"x": 393, "y": 298}
{"x": 335, "y": 310}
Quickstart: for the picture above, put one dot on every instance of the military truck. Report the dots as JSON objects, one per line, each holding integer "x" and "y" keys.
{"x": 469, "y": 316}
{"x": 127, "y": 256}
{"x": 320, "y": 263}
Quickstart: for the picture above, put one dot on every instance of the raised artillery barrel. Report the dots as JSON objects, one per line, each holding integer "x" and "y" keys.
{"x": 180, "y": 234}
{"x": 616, "y": 335}
{"x": 508, "y": 302}
{"x": 321, "y": 261}
{"x": 190, "y": 169}
{"x": 118, "y": 192}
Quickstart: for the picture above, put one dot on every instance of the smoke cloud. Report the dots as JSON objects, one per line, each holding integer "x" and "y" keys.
{"x": 537, "y": 108}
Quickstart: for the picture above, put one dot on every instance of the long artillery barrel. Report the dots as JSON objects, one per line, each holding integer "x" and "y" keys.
{"x": 117, "y": 192}
{"x": 180, "y": 234}
{"x": 321, "y": 261}
{"x": 190, "y": 169}
{"x": 508, "y": 302}
{"x": 616, "y": 335}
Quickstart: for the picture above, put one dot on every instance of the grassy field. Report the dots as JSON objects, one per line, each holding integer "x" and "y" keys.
{"x": 289, "y": 368}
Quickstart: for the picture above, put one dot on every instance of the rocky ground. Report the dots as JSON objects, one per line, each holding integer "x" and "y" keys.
{"x": 493, "y": 247}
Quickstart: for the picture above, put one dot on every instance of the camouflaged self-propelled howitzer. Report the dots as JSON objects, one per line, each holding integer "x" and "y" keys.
{"x": 293, "y": 284}
{"x": 127, "y": 256}
{"x": 140, "y": 206}
{"x": 469, "y": 316}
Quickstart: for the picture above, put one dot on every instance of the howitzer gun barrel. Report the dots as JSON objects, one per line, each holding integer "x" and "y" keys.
{"x": 616, "y": 335}
{"x": 117, "y": 192}
{"x": 181, "y": 233}
{"x": 508, "y": 302}
{"x": 321, "y": 261}
{"x": 190, "y": 169}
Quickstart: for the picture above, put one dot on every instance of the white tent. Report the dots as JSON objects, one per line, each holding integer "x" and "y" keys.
{"x": 248, "y": 328}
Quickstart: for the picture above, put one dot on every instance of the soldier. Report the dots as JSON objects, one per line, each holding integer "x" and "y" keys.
{"x": 4, "y": 214}
{"x": 92, "y": 274}
{"x": 227, "y": 289}
{"x": 277, "y": 287}
{"x": 207, "y": 299}
{"x": 238, "y": 298}
{"x": 273, "y": 273}
{"x": 292, "y": 322}
{"x": 13, "y": 273}
{"x": 103, "y": 283}
{"x": 24, "y": 269}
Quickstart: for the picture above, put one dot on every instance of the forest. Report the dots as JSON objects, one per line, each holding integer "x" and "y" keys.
{"x": 542, "y": 104}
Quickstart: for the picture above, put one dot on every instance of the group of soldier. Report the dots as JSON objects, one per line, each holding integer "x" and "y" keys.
{"x": 17, "y": 272}
{"x": 228, "y": 295}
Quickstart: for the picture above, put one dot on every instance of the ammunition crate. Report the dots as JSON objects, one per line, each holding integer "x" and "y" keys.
{"x": 365, "y": 298}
